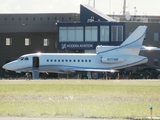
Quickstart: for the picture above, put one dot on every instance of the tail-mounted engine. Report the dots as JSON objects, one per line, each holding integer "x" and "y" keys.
{"x": 112, "y": 60}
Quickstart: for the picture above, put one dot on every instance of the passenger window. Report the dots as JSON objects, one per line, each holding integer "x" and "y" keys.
{"x": 51, "y": 60}
{"x": 66, "y": 60}
{"x": 81, "y": 60}
{"x": 54, "y": 60}
{"x": 70, "y": 60}
{"x": 85, "y": 60}
{"x": 74, "y": 60}
{"x": 47, "y": 60}
{"x": 89, "y": 60}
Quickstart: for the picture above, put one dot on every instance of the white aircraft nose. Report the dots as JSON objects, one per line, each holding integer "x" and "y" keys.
{"x": 9, "y": 66}
{"x": 6, "y": 66}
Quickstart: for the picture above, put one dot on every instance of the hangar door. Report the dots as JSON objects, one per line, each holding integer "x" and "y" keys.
{"x": 35, "y": 62}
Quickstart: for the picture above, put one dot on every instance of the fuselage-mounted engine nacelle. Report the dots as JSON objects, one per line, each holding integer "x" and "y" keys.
{"x": 112, "y": 60}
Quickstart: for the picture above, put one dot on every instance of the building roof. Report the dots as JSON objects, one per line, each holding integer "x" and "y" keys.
{"x": 44, "y": 22}
{"x": 92, "y": 9}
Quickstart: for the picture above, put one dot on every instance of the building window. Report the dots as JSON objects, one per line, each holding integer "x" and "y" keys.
{"x": 8, "y": 41}
{"x": 63, "y": 34}
{"x": 46, "y": 42}
{"x": 156, "y": 36}
{"x": 104, "y": 32}
{"x": 68, "y": 34}
{"x": 27, "y": 41}
{"x": 71, "y": 33}
{"x": 156, "y": 62}
{"x": 91, "y": 33}
{"x": 117, "y": 33}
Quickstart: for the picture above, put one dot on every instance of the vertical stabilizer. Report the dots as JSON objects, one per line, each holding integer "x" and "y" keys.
{"x": 136, "y": 38}
{"x": 132, "y": 45}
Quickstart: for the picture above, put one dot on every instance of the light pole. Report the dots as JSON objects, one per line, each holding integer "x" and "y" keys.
{"x": 93, "y": 3}
{"x": 135, "y": 11}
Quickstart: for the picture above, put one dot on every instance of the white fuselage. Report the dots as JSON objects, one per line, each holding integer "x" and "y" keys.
{"x": 65, "y": 62}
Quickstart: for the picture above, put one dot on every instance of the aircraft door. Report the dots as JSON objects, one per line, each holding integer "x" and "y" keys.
{"x": 35, "y": 62}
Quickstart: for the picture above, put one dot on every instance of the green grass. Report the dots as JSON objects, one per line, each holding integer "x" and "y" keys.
{"x": 79, "y": 98}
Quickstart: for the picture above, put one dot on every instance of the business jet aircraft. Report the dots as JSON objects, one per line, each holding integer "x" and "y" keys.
{"x": 106, "y": 58}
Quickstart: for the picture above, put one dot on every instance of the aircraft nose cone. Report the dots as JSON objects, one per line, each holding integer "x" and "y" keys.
{"x": 5, "y": 66}
{"x": 10, "y": 65}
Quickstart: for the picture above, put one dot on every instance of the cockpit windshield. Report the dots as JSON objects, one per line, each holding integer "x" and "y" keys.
{"x": 26, "y": 58}
{"x": 23, "y": 58}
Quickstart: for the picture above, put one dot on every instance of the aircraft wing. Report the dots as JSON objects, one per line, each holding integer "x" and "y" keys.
{"x": 149, "y": 48}
{"x": 91, "y": 70}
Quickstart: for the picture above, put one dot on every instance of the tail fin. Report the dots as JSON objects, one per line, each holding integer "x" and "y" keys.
{"x": 132, "y": 45}
{"x": 135, "y": 40}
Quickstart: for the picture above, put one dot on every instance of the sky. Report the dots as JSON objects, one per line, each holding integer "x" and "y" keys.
{"x": 138, "y": 7}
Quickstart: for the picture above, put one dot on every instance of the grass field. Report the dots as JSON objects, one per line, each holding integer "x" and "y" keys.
{"x": 79, "y": 98}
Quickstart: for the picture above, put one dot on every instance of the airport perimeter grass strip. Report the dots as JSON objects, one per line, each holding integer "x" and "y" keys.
{"x": 80, "y": 98}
